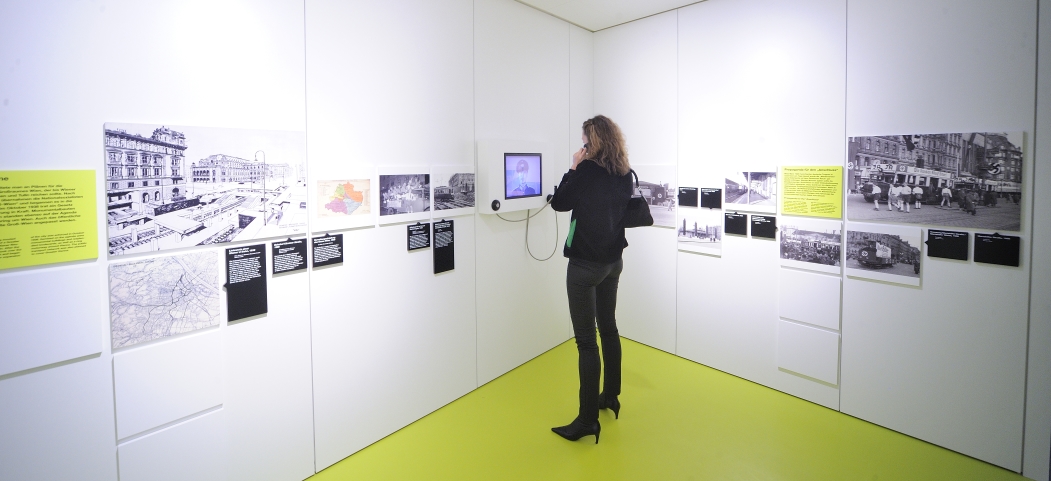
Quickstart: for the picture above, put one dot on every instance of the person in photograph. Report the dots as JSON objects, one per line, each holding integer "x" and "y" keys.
{"x": 521, "y": 173}
{"x": 876, "y": 191}
{"x": 946, "y": 196}
{"x": 596, "y": 188}
{"x": 902, "y": 191}
{"x": 917, "y": 195}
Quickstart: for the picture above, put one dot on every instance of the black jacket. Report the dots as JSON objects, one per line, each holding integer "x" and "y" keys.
{"x": 598, "y": 201}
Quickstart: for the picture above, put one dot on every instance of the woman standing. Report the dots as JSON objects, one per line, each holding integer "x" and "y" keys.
{"x": 596, "y": 188}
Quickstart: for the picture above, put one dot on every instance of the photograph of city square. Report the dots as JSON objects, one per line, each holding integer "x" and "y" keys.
{"x": 176, "y": 187}
{"x": 971, "y": 179}
{"x": 811, "y": 244}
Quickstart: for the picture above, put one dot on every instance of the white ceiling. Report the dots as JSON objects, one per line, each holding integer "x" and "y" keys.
{"x": 599, "y": 14}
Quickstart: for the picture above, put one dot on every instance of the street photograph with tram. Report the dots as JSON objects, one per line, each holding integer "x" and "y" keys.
{"x": 453, "y": 189}
{"x": 657, "y": 185}
{"x": 971, "y": 179}
{"x": 884, "y": 252}
{"x": 750, "y": 191}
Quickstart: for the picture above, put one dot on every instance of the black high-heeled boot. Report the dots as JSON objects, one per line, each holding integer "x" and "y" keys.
{"x": 612, "y": 403}
{"x": 576, "y": 430}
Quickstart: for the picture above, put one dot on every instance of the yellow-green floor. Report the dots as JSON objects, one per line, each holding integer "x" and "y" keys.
{"x": 679, "y": 421}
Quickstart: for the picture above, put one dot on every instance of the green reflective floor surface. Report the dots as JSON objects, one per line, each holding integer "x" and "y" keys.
{"x": 680, "y": 421}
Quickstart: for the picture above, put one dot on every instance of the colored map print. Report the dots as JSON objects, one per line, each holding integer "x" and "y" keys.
{"x": 337, "y": 198}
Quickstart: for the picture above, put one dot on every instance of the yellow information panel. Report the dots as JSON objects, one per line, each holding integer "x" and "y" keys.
{"x": 815, "y": 191}
{"x": 47, "y": 216}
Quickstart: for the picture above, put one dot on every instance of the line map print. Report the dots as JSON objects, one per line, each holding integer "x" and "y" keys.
{"x": 163, "y": 296}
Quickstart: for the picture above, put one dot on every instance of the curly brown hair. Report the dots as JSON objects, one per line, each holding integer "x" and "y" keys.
{"x": 606, "y": 145}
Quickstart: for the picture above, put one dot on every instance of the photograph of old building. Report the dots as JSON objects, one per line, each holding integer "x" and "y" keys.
{"x": 174, "y": 187}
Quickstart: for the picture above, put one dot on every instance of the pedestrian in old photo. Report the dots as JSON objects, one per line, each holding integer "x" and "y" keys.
{"x": 904, "y": 194}
{"x": 876, "y": 191}
{"x": 917, "y": 195}
{"x": 946, "y": 197}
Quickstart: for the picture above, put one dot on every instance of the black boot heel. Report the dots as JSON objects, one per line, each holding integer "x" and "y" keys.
{"x": 574, "y": 430}
{"x": 611, "y": 404}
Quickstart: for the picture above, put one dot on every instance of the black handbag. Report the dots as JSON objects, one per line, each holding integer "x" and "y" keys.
{"x": 638, "y": 212}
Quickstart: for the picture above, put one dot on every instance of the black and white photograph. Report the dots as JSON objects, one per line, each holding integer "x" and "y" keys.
{"x": 404, "y": 197}
{"x": 700, "y": 230}
{"x": 970, "y": 179}
{"x": 812, "y": 244}
{"x": 751, "y": 191}
{"x": 170, "y": 187}
{"x": 163, "y": 296}
{"x": 657, "y": 185}
{"x": 889, "y": 253}
{"x": 452, "y": 189}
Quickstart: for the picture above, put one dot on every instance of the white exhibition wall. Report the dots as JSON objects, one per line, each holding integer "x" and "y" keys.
{"x": 350, "y": 353}
{"x": 759, "y": 83}
{"x": 946, "y": 362}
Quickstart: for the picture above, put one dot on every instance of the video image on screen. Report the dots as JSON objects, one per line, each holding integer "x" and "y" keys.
{"x": 522, "y": 175}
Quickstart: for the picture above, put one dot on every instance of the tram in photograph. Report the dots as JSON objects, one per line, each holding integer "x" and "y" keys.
{"x": 655, "y": 194}
{"x": 876, "y": 256}
{"x": 929, "y": 181}
{"x": 443, "y": 193}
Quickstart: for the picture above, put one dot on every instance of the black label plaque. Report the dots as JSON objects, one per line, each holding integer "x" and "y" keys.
{"x": 328, "y": 250}
{"x": 764, "y": 226}
{"x": 418, "y": 236}
{"x": 712, "y": 198}
{"x": 948, "y": 244}
{"x": 998, "y": 249}
{"x": 688, "y": 196}
{"x": 444, "y": 252}
{"x": 289, "y": 256}
{"x": 245, "y": 282}
{"x": 736, "y": 224}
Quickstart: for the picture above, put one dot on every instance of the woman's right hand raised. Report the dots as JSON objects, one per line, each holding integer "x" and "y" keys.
{"x": 579, "y": 157}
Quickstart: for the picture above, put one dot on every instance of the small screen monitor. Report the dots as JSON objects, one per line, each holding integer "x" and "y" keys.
{"x": 522, "y": 175}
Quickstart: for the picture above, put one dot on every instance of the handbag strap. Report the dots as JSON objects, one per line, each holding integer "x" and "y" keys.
{"x": 636, "y": 178}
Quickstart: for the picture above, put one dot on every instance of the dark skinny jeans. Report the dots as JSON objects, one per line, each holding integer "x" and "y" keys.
{"x": 592, "y": 291}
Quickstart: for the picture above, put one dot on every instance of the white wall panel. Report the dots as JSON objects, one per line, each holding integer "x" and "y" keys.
{"x": 70, "y": 67}
{"x": 1037, "y": 444}
{"x": 36, "y": 331}
{"x": 268, "y": 402}
{"x": 195, "y": 449}
{"x": 760, "y": 82}
{"x": 808, "y": 351}
{"x": 646, "y": 299}
{"x": 389, "y": 84}
{"x": 810, "y": 298}
{"x": 391, "y": 341}
{"x": 58, "y": 424}
{"x": 581, "y": 85}
{"x": 636, "y": 86}
{"x": 160, "y": 383}
{"x": 945, "y": 363}
{"x": 522, "y": 92}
